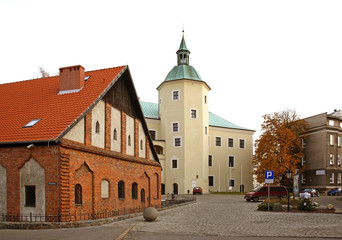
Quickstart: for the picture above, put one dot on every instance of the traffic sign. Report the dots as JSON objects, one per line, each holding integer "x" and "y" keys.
{"x": 269, "y": 176}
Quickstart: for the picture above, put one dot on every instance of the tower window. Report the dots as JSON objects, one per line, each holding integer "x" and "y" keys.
{"x": 175, "y": 95}
{"x": 115, "y": 135}
{"x": 193, "y": 113}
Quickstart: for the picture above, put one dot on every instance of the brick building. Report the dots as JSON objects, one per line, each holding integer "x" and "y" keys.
{"x": 75, "y": 144}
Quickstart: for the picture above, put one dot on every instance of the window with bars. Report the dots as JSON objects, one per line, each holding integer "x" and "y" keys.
{"x": 218, "y": 141}
{"x": 231, "y": 142}
{"x": 242, "y": 143}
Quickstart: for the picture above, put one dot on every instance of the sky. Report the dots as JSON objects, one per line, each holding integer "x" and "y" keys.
{"x": 258, "y": 57}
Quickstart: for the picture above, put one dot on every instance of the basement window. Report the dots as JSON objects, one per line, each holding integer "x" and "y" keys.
{"x": 31, "y": 123}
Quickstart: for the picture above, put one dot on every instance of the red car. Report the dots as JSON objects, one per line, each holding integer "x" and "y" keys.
{"x": 197, "y": 190}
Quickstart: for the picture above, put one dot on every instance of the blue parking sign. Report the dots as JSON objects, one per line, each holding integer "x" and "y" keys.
{"x": 269, "y": 174}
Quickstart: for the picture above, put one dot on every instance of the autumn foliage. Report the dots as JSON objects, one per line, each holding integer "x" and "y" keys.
{"x": 280, "y": 145}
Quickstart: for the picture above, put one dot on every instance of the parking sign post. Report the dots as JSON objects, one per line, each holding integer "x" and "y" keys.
{"x": 269, "y": 178}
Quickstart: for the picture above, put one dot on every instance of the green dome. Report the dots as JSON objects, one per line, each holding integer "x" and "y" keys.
{"x": 183, "y": 72}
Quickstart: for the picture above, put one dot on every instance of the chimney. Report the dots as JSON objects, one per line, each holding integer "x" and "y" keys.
{"x": 71, "y": 78}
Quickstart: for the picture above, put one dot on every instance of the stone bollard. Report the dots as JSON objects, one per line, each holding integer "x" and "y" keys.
{"x": 330, "y": 206}
{"x": 150, "y": 214}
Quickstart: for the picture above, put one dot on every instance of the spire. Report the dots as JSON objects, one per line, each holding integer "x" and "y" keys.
{"x": 183, "y": 53}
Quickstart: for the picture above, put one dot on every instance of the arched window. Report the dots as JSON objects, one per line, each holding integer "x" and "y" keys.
{"x": 121, "y": 189}
{"x": 115, "y": 135}
{"x": 142, "y": 194}
{"x": 134, "y": 191}
{"x": 104, "y": 189}
{"x": 78, "y": 194}
{"x": 129, "y": 140}
{"x": 141, "y": 145}
{"x": 97, "y": 127}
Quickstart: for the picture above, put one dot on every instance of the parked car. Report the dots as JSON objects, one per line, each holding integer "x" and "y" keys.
{"x": 334, "y": 192}
{"x": 313, "y": 192}
{"x": 197, "y": 190}
{"x": 261, "y": 193}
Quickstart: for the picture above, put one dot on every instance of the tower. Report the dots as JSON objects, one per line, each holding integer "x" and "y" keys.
{"x": 184, "y": 115}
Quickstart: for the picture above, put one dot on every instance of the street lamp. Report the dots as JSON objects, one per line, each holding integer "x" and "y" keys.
{"x": 288, "y": 175}
{"x": 280, "y": 177}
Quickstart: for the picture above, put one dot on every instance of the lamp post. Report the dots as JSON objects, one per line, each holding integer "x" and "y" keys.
{"x": 280, "y": 177}
{"x": 288, "y": 175}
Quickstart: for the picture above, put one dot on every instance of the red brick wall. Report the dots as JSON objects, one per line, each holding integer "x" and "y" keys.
{"x": 14, "y": 158}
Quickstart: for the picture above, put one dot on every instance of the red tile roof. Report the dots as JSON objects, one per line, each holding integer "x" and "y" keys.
{"x": 21, "y": 102}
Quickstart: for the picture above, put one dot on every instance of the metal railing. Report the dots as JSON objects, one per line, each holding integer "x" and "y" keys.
{"x": 71, "y": 217}
{"x": 78, "y": 216}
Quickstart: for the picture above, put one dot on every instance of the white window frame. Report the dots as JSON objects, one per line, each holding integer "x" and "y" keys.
{"x": 339, "y": 160}
{"x": 174, "y": 159}
{"x": 174, "y": 141}
{"x": 303, "y": 143}
{"x": 331, "y": 159}
{"x": 229, "y": 182}
{"x": 331, "y": 123}
{"x": 216, "y": 137}
{"x": 228, "y": 142}
{"x": 339, "y": 141}
{"x": 231, "y": 156}
{"x": 172, "y": 127}
{"x": 196, "y": 112}
{"x": 213, "y": 180}
{"x": 339, "y": 175}
{"x": 212, "y": 160}
{"x": 303, "y": 161}
{"x": 332, "y": 178}
{"x": 244, "y": 143}
{"x": 331, "y": 139}
{"x": 178, "y": 96}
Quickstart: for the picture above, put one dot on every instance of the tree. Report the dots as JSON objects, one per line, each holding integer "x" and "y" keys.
{"x": 280, "y": 145}
{"x": 42, "y": 73}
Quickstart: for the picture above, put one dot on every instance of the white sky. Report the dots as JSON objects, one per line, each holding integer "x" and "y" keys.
{"x": 258, "y": 57}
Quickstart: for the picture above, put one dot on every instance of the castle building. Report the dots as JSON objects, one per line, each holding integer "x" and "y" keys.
{"x": 323, "y": 151}
{"x": 196, "y": 147}
{"x": 74, "y": 147}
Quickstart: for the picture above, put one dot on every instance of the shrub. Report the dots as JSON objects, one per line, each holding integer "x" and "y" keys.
{"x": 305, "y": 205}
{"x": 264, "y": 205}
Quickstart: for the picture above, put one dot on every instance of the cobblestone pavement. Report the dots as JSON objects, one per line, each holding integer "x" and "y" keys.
{"x": 231, "y": 216}
{"x": 214, "y": 217}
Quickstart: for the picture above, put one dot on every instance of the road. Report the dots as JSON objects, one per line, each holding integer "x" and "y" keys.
{"x": 213, "y": 216}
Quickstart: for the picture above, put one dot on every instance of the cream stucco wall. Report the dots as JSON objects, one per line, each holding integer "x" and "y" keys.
{"x": 242, "y": 170}
{"x": 116, "y": 125}
{"x": 192, "y": 167}
{"x": 3, "y": 190}
{"x": 142, "y": 142}
{"x": 77, "y": 132}
{"x": 32, "y": 174}
{"x": 129, "y": 134}
{"x": 98, "y": 115}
